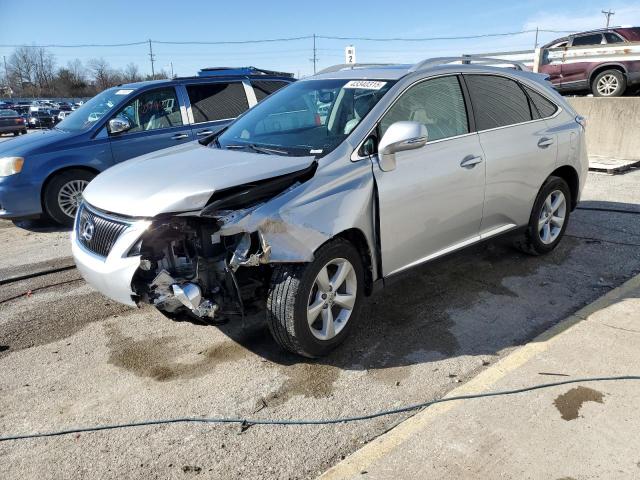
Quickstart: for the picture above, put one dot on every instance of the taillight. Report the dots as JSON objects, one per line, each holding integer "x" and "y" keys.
{"x": 582, "y": 121}
{"x": 19, "y": 120}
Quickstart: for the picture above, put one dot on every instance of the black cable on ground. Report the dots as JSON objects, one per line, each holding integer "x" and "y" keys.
{"x": 247, "y": 422}
{"x": 35, "y": 274}
{"x": 33, "y": 290}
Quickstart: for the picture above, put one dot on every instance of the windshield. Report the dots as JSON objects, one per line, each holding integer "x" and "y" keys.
{"x": 310, "y": 117}
{"x": 89, "y": 113}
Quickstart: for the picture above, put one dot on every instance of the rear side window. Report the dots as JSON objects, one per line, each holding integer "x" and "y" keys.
{"x": 497, "y": 101}
{"x": 545, "y": 107}
{"x": 436, "y": 103}
{"x": 612, "y": 38}
{"x": 584, "y": 40}
{"x": 264, "y": 88}
{"x": 217, "y": 101}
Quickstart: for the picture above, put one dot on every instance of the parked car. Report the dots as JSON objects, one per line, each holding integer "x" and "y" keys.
{"x": 40, "y": 119}
{"x": 604, "y": 62}
{"x": 118, "y": 124}
{"x": 11, "y": 122}
{"x": 63, "y": 114}
{"x": 307, "y": 216}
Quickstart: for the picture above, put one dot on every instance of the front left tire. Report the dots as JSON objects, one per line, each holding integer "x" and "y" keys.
{"x": 312, "y": 307}
{"x": 63, "y": 194}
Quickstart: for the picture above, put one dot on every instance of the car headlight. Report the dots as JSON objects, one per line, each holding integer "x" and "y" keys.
{"x": 10, "y": 166}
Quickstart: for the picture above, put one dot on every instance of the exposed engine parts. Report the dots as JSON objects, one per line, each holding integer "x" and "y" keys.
{"x": 187, "y": 267}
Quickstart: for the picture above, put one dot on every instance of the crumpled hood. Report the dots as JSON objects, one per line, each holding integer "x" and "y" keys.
{"x": 181, "y": 178}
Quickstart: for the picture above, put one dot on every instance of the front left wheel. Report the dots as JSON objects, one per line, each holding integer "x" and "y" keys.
{"x": 312, "y": 307}
{"x": 63, "y": 194}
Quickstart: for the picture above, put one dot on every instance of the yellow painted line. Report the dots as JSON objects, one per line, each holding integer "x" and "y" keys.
{"x": 384, "y": 444}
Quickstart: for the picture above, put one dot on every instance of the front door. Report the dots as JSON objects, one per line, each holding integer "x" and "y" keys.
{"x": 431, "y": 203}
{"x": 156, "y": 123}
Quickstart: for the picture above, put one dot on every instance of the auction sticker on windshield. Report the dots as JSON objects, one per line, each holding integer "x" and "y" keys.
{"x": 365, "y": 84}
{"x": 124, "y": 91}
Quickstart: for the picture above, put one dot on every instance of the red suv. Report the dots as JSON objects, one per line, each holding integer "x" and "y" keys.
{"x": 604, "y": 62}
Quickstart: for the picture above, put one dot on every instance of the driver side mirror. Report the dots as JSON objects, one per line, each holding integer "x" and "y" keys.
{"x": 118, "y": 125}
{"x": 400, "y": 136}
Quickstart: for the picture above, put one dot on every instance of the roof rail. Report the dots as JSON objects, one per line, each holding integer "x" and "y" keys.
{"x": 466, "y": 59}
{"x": 351, "y": 66}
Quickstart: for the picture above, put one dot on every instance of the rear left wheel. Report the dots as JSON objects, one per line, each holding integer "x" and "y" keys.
{"x": 63, "y": 194}
{"x": 312, "y": 307}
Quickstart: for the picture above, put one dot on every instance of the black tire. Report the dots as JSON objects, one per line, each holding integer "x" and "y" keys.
{"x": 621, "y": 83}
{"x": 288, "y": 297}
{"x": 530, "y": 242}
{"x": 51, "y": 206}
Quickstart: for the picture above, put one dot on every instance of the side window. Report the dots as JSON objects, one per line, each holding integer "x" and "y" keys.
{"x": 544, "y": 106}
{"x": 264, "y": 88}
{"x": 612, "y": 38}
{"x": 436, "y": 103}
{"x": 497, "y": 101}
{"x": 584, "y": 40}
{"x": 217, "y": 101}
{"x": 153, "y": 110}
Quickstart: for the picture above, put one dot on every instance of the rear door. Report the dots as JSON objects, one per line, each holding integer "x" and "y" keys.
{"x": 157, "y": 122}
{"x": 211, "y": 106}
{"x": 519, "y": 148}
{"x": 575, "y": 72}
{"x": 431, "y": 203}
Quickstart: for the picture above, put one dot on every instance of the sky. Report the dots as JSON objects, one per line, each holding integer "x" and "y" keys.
{"x": 72, "y": 22}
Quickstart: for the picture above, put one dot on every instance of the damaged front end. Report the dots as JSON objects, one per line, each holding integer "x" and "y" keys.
{"x": 190, "y": 263}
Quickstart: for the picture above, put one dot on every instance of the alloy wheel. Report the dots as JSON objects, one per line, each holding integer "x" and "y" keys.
{"x": 70, "y": 195}
{"x": 607, "y": 85}
{"x": 332, "y": 299}
{"x": 552, "y": 217}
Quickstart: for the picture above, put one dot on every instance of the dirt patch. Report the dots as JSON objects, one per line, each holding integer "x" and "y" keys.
{"x": 58, "y": 319}
{"x": 163, "y": 358}
{"x": 569, "y": 404}
{"x": 311, "y": 380}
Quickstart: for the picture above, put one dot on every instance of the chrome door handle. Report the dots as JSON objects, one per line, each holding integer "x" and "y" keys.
{"x": 545, "y": 142}
{"x": 470, "y": 161}
{"x": 179, "y": 136}
{"x": 204, "y": 132}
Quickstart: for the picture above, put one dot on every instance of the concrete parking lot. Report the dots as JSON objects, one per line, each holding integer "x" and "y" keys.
{"x": 70, "y": 357}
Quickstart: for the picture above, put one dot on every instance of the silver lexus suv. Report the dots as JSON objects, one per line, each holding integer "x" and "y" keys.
{"x": 330, "y": 187}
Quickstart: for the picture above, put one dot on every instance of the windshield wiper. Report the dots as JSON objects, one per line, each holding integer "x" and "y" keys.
{"x": 259, "y": 149}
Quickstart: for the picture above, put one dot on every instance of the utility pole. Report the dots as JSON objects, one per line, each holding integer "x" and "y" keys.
{"x": 315, "y": 56}
{"x": 608, "y": 13}
{"x": 152, "y": 57}
{"x": 536, "y": 44}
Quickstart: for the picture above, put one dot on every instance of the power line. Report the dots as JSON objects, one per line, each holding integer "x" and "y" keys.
{"x": 287, "y": 39}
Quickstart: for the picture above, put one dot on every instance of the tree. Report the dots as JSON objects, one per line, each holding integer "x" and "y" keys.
{"x": 103, "y": 75}
{"x": 131, "y": 73}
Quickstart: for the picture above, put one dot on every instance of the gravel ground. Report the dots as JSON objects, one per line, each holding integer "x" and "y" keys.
{"x": 77, "y": 358}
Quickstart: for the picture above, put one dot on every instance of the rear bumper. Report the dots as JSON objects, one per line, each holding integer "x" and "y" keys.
{"x": 112, "y": 275}
{"x": 12, "y": 128}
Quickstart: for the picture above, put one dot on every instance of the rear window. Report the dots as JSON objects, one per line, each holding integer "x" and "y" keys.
{"x": 497, "y": 101}
{"x": 545, "y": 107}
{"x": 584, "y": 40}
{"x": 217, "y": 101}
{"x": 264, "y": 88}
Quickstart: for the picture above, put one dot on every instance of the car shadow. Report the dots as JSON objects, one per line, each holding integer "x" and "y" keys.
{"x": 457, "y": 306}
{"x": 40, "y": 226}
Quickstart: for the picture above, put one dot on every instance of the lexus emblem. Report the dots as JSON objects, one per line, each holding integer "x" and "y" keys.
{"x": 87, "y": 230}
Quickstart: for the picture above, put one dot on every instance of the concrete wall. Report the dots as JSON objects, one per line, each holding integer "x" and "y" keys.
{"x": 613, "y": 126}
